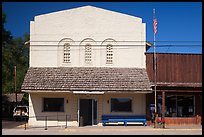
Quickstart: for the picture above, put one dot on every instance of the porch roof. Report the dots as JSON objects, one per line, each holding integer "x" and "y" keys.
{"x": 11, "y": 97}
{"x": 86, "y": 79}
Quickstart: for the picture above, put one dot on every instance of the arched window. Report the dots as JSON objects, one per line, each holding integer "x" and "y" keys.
{"x": 109, "y": 54}
{"x": 67, "y": 53}
{"x": 88, "y": 53}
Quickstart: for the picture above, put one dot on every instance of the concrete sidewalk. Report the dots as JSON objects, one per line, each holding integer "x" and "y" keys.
{"x": 167, "y": 127}
{"x": 117, "y": 128}
{"x": 18, "y": 128}
{"x": 108, "y": 130}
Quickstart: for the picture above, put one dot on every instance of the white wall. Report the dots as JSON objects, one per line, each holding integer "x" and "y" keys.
{"x": 48, "y": 31}
{"x": 37, "y": 116}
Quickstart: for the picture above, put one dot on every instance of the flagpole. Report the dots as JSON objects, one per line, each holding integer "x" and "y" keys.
{"x": 155, "y": 93}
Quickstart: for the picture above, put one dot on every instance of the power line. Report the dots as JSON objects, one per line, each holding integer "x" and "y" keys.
{"x": 94, "y": 49}
{"x": 115, "y": 41}
{"x": 125, "y": 45}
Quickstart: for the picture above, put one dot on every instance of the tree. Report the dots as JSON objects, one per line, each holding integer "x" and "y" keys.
{"x": 14, "y": 53}
{"x": 6, "y": 35}
{"x": 6, "y": 55}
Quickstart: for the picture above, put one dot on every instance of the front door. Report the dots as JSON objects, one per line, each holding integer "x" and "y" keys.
{"x": 87, "y": 112}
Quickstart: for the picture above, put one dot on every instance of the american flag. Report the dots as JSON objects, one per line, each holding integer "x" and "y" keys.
{"x": 155, "y": 25}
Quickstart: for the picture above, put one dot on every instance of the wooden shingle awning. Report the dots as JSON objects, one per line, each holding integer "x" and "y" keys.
{"x": 11, "y": 97}
{"x": 86, "y": 79}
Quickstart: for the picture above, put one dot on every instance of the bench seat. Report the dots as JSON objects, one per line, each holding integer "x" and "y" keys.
{"x": 123, "y": 118}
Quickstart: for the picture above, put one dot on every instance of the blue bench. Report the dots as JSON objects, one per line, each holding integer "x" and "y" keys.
{"x": 123, "y": 118}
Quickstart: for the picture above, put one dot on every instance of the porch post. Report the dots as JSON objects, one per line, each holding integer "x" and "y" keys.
{"x": 163, "y": 107}
{"x": 92, "y": 109}
{"x": 78, "y": 110}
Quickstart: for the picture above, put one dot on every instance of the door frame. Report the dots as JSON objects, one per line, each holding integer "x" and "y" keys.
{"x": 92, "y": 106}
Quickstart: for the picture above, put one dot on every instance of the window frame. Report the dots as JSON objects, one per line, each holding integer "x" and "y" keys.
{"x": 67, "y": 53}
{"x": 131, "y": 103}
{"x": 88, "y": 53}
{"x": 180, "y": 103}
{"x": 109, "y": 54}
{"x": 43, "y": 102}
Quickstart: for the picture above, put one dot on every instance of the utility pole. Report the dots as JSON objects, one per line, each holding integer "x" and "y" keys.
{"x": 15, "y": 84}
{"x": 155, "y": 64}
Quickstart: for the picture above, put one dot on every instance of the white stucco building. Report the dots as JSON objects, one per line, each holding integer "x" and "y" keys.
{"x": 86, "y": 57}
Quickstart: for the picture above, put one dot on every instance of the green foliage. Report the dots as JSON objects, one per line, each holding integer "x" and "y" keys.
{"x": 25, "y": 98}
{"x": 14, "y": 53}
{"x": 6, "y": 35}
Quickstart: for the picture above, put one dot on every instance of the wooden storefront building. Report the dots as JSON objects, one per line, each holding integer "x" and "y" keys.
{"x": 178, "y": 83}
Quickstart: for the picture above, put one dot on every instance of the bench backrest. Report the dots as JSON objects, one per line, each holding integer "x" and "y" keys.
{"x": 106, "y": 117}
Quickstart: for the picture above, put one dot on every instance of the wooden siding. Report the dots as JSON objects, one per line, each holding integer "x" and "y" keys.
{"x": 173, "y": 121}
{"x": 183, "y": 120}
{"x": 176, "y": 68}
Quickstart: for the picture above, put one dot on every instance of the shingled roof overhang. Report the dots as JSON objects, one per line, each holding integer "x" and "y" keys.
{"x": 89, "y": 79}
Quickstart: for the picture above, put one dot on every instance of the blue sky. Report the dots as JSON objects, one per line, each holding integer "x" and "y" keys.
{"x": 177, "y": 21}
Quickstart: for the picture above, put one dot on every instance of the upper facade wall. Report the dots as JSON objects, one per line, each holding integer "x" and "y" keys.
{"x": 180, "y": 68}
{"x": 84, "y": 25}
